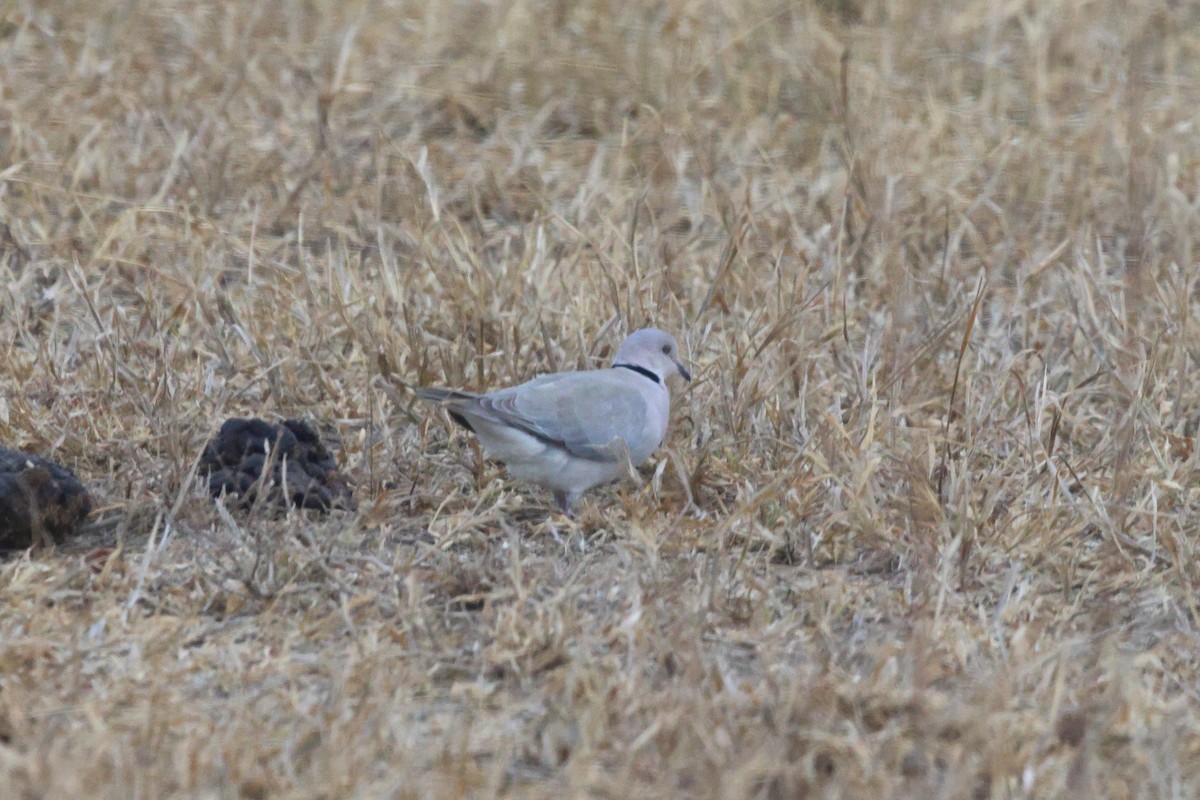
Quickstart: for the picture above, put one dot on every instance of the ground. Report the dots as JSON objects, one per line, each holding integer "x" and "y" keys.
{"x": 925, "y": 522}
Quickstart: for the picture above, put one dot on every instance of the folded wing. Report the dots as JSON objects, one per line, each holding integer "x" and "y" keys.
{"x": 591, "y": 415}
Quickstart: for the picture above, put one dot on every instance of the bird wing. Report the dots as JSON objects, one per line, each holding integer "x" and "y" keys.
{"x": 596, "y": 415}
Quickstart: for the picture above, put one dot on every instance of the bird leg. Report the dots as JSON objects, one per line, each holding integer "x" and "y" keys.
{"x": 564, "y": 501}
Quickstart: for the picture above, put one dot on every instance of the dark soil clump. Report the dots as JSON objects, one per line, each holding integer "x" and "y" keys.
{"x": 40, "y": 502}
{"x": 301, "y": 471}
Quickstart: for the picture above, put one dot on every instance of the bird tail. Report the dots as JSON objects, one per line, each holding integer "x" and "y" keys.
{"x": 436, "y": 394}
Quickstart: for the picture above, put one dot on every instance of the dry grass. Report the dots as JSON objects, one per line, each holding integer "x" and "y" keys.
{"x": 926, "y": 522}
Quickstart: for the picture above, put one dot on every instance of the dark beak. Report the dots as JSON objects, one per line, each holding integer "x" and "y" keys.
{"x": 687, "y": 376}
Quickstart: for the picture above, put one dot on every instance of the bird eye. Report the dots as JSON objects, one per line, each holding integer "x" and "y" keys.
{"x": 666, "y": 349}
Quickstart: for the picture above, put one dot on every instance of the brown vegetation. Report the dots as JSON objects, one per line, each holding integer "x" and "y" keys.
{"x": 925, "y": 525}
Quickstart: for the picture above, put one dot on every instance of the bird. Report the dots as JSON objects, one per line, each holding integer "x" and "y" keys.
{"x": 571, "y": 431}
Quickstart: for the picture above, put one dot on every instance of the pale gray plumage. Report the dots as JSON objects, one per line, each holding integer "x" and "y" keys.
{"x": 570, "y": 431}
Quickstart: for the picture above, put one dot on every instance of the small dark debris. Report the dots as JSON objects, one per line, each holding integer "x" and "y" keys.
{"x": 824, "y": 765}
{"x": 254, "y": 789}
{"x": 235, "y": 458}
{"x": 914, "y": 765}
{"x": 469, "y": 602}
{"x": 40, "y": 502}
{"x": 1071, "y": 727}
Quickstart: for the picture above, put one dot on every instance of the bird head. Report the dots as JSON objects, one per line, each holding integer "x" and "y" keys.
{"x": 652, "y": 350}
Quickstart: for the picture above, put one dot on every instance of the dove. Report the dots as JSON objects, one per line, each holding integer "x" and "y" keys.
{"x": 570, "y": 431}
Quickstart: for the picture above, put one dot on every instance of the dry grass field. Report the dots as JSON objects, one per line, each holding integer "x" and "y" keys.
{"x": 926, "y": 522}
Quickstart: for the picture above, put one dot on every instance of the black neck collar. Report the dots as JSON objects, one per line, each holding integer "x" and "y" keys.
{"x": 640, "y": 371}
